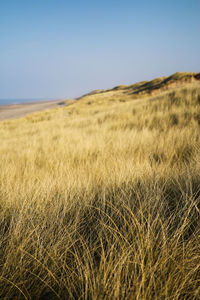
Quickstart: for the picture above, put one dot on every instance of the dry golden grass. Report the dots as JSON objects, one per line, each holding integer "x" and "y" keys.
{"x": 101, "y": 199}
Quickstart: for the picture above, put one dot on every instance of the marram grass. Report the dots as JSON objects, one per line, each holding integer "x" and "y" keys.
{"x": 101, "y": 200}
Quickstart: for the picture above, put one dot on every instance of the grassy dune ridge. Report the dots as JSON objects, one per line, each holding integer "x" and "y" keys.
{"x": 100, "y": 199}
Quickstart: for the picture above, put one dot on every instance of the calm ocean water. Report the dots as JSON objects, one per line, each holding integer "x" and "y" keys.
{"x": 17, "y": 101}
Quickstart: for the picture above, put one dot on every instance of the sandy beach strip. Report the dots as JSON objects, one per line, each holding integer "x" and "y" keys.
{"x": 15, "y": 111}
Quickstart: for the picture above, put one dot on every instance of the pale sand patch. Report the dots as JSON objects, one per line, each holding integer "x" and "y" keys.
{"x": 19, "y": 110}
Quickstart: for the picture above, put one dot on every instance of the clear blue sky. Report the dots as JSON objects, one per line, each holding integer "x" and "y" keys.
{"x": 57, "y": 48}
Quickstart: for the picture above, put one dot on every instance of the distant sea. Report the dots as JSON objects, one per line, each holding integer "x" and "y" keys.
{"x": 18, "y": 101}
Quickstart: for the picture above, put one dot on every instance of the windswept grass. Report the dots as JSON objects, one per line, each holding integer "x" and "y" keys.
{"x": 101, "y": 200}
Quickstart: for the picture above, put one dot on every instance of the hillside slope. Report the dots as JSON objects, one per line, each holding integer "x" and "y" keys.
{"x": 100, "y": 199}
{"x": 145, "y": 88}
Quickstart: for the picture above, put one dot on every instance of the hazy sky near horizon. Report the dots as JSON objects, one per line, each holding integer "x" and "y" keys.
{"x": 57, "y": 48}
